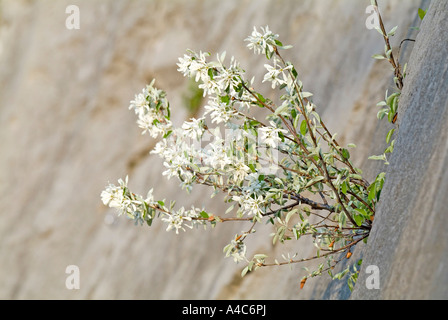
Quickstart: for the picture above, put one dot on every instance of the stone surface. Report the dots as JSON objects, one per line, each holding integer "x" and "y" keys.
{"x": 408, "y": 242}
{"x": 66, "y": 131}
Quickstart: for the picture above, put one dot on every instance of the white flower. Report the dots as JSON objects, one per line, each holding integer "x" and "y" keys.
{"x": 262, "y": 42}
{"x": 194, "y": 65}
{"x": 184, "y": 65}
{"x": 219, "y": 111}
{"x": 216, "y": 155}
{"x": 239, "y": 170}
{"x": 251, "y": 205}
{"x": 177, "y": 220}
{"x": 194, "y": 128}
{"x": 175, "y": 167}
{"x": 139, "y": 103}
{"x": 152, "y": 109}
{"x": 145, "y": 121}
{"x": 112, "y": 196}
{"x": 273, "y": 74}
{"x": 270, "y": 135}
{"x": 149, "y": 197}
{"x": 209, "y": 86}
{"x": 120, "y": 198}
{"x": 238, "y": 251}
{"x": 179, "y": 154}
{"x": 228, "y": 77}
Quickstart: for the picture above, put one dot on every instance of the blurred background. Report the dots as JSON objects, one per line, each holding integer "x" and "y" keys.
{"x": 66, "y": 132}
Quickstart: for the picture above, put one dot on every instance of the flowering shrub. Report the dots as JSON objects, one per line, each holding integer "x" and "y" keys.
{"x": 286, "y": 169}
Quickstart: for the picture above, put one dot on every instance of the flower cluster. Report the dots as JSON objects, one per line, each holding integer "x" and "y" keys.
{"x": 262, "y": 43}
{"x": 181, "y": 219}
{"x": 227, "y": 163}
{"x": 152, "y": 109}
{"x": 262, "y": 169}
{"x": 127, "y": 203}
{"x": 270, "y": 135}
{"x": 251, "y": 205}
{"x": 274, "y": 72}
{"x": 237, "y": 250}
{"x": 143, "y": 210}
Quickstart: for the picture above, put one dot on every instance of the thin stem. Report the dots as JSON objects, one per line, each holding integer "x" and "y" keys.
{"x": 315, "y": 257}
{"x": 313, "y": 138}
{"x": 293, "y": 132}
{"x": 361, "y": 200}
{"x": 281, "y": 209}
{"x": 395, "y": 64}
{"x": 314, "y": 205}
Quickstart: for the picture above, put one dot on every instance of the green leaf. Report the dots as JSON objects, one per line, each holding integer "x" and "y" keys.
{"x": 260, "y": 256}
{"x": 358, "y": 219}
{"x": 289, "y": 214}
{"x": 204, "y": 214}
{"x": 344, "y": 187}
{"x": 378, "y": 56}
{"x": 363, "y": 212}
{"x": 281, "y": 109}
{"x": 392, "y": 32}
{"x": 381, "y": 157}
{"x": 293, "y": 113}
{"x": 355, "y": 176}
{"x": 382, "y": 113}
{"x": 210, "y": 73}
{"x": 390, "y": 116}
{"x": 224, "y": 99}
{"x": 391, "y": 98}
{"x": 245, "y": 270}
{"x": 316, "y": 115}
{"x": 345, "y": 154}
{"x": 296, "y": 120}
{"x": 372, "y": 191}
{"x": 422, "y": 13}
{"x": 252, "y": 167}
{"x": 390, "y": 148}
{"x": 314, "y": 180}
{"x": 166, "y": 135}
{"x": 294, "y": 72}
{"x": 395, "y": 105}
{"x": 380, "y": 31}
{"x": 260, "y": 96}
{"x": 278, "y": 43}
{"x": 388, "y": 53}
{"x": 341, "y": 274}
{"x": 269, "y": 54}
{"x": 228, "y": 209}
{"x": 389, "y": 135}
{"x": 303, "y": 128}
{"x": 306, "y": 94}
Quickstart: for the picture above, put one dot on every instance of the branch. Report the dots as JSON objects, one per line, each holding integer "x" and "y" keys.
{"x": 314, "y": 205}
{"x": 315, "y": 257}
{"x": 395, "y": 64}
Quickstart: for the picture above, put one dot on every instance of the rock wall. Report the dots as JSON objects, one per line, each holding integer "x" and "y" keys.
{"x": 408, "y": 242}
{"x": 66, "y": 131}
